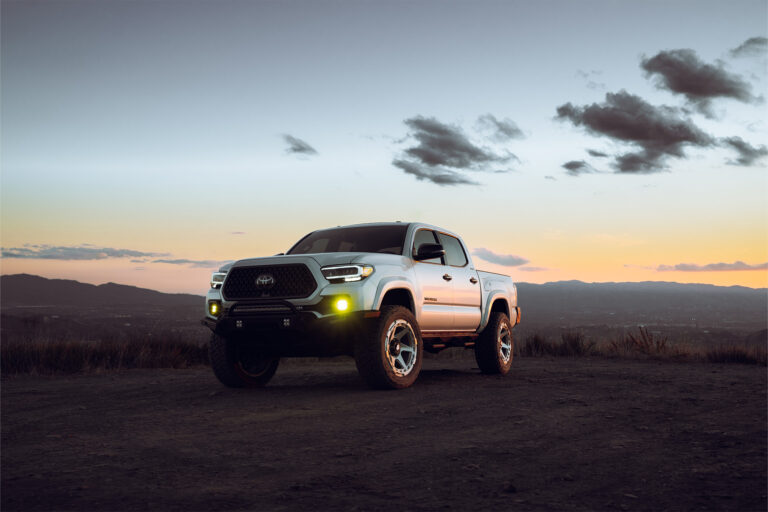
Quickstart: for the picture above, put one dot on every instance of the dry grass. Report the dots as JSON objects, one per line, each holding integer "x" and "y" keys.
{"x": 744, "y": 355}
{"x": 48, "y": 356}
{"x": 570, "y": 345}
{"x": 642, "y": 345}
{"x": 62, "y": 356}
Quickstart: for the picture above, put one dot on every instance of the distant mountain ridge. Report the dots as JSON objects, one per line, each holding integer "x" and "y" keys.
{"x": 649, "y": 302}
{"x": 557, "y": 303}
{"x": 30, "y": 290}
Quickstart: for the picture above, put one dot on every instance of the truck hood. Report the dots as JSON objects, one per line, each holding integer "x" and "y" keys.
{"x": 322, "y": 259}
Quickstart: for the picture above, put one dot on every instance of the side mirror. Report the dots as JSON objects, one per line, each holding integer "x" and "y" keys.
{"x": 429, "y": 251}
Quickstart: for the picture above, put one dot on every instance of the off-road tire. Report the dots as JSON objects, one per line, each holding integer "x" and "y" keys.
{"x": 495, "y": 348}
{"x": 227, "y": 363}
{"x": 389, "y": 349}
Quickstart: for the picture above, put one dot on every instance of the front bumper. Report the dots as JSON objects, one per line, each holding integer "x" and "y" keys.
{"x": 282, "y": 329}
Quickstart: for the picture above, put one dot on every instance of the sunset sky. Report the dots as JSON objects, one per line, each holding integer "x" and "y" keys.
{"x": 147, "y": 142}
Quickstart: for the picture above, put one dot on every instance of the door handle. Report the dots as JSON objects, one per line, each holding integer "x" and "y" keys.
{"x": 473, "y": 280}
{"x": 447, "y": 277}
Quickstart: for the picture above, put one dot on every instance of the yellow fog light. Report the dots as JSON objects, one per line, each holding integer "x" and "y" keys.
{"x": 214, "y": 308}
{"x": 342, "y": 305}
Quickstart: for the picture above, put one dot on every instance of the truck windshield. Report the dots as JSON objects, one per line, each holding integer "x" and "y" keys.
{"x": 386, "y": 239}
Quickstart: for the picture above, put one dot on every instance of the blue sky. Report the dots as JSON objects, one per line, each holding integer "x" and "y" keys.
{"x": 160, "y": 127}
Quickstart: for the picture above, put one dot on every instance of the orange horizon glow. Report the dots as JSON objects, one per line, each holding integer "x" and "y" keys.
{"x": 169, "y": 278}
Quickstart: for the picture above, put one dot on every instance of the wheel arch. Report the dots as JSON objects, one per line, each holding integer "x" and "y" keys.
{"x": 395, "y": 293}
{"x": 497, "y": 301}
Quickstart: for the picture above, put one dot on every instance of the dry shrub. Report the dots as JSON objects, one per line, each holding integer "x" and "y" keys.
{"x": 644, "y": 343}
{"x": 647, "y": 343}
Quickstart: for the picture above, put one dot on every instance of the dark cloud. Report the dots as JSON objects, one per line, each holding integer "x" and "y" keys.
{"x": 748, "y": 154}
{"x": 597, "y": 154}
{"x": 436, "y": 175}
{"x": 504, "y": 130}
{"x": 444, "y": 144}
{"x": 711, "y": 267}
{"x": 193, "y": 263}
{"x": 578, "y": 167}
{"x": 298, "y": 146}
{"x": 80, "y": 252}
{"x": 507, "y": 260}
{"x": 659, "y": 132}
{"x": 752, "y": 46}
{"x": 443, "y": 152}
{"x": 682, "y": 72}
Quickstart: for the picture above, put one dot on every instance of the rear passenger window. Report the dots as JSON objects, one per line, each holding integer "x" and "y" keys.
{"x": 454, "y": 253}
{"x": 425, "y": 236}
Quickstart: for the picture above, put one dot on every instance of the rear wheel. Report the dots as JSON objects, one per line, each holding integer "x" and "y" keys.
{"x": 494, "y": 348}
{"x": 237, "y": 367}
{"x": 389, "y": 353}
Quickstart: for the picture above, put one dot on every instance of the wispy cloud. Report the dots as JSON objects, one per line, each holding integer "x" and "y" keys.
{"x": 447, "y": 145}
{"x": 443, "y": 153}
{"x": 437, "y": 175}
{"x": 748, "y": 154}
{"x": 711, "y": 267}
{"x": 750, "y": 47}
{"x": 533, "y": 269}
{"x": 298, "y": 146}
{"x": 507, "y": 260}
{"x": 577, "y": 168}
{"x": 77, "y": 252}
{"x": 503, "y": 130}
{"x": 86, "y": 252}
{"x": 682, "y": 72}
{"x": 192, "y": 263}
{"x": 591, "y": 78}
{"x": 597, "y": 154}
{"x": 659, "y": 132}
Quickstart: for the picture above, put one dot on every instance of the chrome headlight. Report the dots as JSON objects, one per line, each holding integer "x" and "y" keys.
{"x": 217, "y": 279}
{"x": 346, "y": 273}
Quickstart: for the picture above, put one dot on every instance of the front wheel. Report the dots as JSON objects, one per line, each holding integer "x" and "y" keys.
{"x": 389, "y": 352}
{"x": 494, "y": 348}
{"x": 237, "y": 367}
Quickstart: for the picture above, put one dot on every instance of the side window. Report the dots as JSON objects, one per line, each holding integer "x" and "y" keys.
{"x": 454, "y": 253}
{"x": 425, "y": 236}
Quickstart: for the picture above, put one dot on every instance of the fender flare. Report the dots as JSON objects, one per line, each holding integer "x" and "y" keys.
{"x": 392, "y": 283}
{"x": 493, "y": 296}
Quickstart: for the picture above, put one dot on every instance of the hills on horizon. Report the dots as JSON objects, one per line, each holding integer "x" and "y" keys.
{"x": 31, "y": 290}
{"x": 561, "y": 302}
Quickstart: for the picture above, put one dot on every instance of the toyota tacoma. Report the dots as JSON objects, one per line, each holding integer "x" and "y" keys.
{"x": 382, "y": 293}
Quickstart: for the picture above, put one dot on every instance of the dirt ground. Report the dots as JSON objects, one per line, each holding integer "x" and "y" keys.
{"x": 557, "y": 434}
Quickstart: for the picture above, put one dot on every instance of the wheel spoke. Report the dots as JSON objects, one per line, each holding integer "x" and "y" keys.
{"x": 406, "y": 348}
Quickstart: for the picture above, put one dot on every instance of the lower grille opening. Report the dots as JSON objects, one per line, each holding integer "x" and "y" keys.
{"x": 260, "y": 309}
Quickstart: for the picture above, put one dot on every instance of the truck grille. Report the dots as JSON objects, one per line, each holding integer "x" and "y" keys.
{"x": 293, "y": 281}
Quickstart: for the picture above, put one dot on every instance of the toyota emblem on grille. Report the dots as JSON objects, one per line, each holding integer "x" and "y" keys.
{"x": 265, "y": 281}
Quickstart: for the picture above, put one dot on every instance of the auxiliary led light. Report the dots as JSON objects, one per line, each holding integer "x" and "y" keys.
{"x": 214, "y": 308}
{"x": 342, "y": 305}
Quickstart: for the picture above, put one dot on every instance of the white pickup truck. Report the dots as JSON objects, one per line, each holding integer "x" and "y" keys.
{"x": 382, "y": 293}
